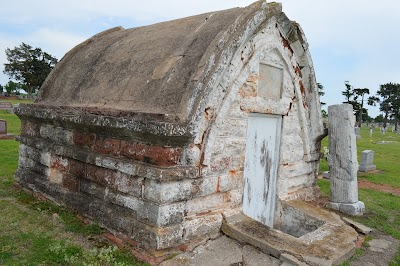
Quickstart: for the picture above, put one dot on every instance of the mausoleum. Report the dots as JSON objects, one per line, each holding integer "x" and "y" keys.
{"x": 159, "y": 132}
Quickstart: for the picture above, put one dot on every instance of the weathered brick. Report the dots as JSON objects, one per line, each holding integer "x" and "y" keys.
{"x": 166, "y": 192}
{"x": 33, "y": 166}
{"x": 170, "y": 236}
{"x": 161, "y": 156}
{"x": 82, "y": 139}
{"x": 70, "y": 182}
{"x": 213, "y": 202}
{"x": 132, "y": 167}
{"x": 198, "y": 227}
{"x": 295, "y": 169}
{"x": 59, "y": 162}
{"x": 112, "y": 216}
{"x": 77, "y": 168}
{"x": 107, "y": 146}
{"x": 38, "y": 155}
{"x": 56, "y": 134}
{"x": 232, "y": 180}
{"x": 78, "y": 201}
{"x": 205, "y": 204}
{"x": 292, "y": 154}
{"x": 100, "y": 175}
{"x": 30, "y": 128}
{"x": 148, "y": 212}
{"x": 55, "y": 176}
{"x": 36, "y": 182}
{"x": 93, "y": 189}
{"x": 115, "y": 180}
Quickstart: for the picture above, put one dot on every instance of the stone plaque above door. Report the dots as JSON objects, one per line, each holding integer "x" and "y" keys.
{"x": 270, "y": 83}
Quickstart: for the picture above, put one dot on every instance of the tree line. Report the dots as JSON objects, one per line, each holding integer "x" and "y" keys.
{"x": 27, "y": 68}
{"x": 387, "y": 97}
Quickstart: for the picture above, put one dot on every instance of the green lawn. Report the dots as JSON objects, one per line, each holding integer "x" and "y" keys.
{"x": 13, "y": 123}
{"x": 387, "y": 156}
{"x": 17, "y": 101}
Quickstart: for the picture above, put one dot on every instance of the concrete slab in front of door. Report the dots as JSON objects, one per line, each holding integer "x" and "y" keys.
{"x": 330, "y": 244}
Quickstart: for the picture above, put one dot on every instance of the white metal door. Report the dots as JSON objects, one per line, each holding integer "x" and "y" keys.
{"x": 261, "y": 167}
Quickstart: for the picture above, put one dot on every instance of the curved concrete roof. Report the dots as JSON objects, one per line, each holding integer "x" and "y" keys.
{"x": 151, "y": 69}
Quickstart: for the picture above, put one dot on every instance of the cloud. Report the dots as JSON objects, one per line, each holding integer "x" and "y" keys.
{"x": 54, "y": 42}
{"x": 349, "y": 40}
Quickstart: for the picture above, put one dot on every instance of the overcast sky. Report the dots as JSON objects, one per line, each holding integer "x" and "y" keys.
{"x": 354, "y": 40}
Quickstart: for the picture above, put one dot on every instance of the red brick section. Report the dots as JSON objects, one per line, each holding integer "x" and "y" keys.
{"x": 143, "y": 256}
{"x": 77, "y": 168}
{"x": 151, "y": 154}
{"x": 107, "y": 146}
{"x": 59, "y": 162}
{"x": 70, "y": 182}
{"x": 84, "y": 139}
{"x": 115, "y": 240}
{"x": 30, "y": 128}
{"x": 123, "y": 241}
{"x": 360, "y": 241}
{"x": 110, "y": 178}
{"x": 100, "y": 175}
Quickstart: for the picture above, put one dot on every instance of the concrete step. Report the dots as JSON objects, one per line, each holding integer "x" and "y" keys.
{"x": 330, "y": 244}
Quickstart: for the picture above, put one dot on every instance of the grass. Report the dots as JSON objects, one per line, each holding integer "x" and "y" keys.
{"x": 382, "y": 209}
{"x": 34, "y": 232}
{"x": 386, "y": 156}
{"x": 17, "y": 101}
{"x": 8, "y": 157}
{"x": 13, "y": 123}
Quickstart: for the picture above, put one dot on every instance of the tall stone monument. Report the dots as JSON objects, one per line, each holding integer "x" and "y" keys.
{"x": 343, "y": 160}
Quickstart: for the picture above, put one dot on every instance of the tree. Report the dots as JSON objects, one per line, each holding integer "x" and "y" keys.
{"x": 352, "y": 97}
{"x": 321, "y": 92}
{"x": 379, "y": 119}
{"x": 324, "y": 114}
{"x": 30, "y": 66}
{"x": 388, "y": 97}
{"x": 1, "y": 89}
{"x": 14, "y": 87}
{"x": 361, "y": 110}
{"x": 348, "y": 92}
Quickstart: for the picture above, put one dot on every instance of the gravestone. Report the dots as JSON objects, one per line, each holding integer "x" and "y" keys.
{"x": 357, "y": 132}
{"x": 3, "y": 131}
{"x": 325, "y": 174}
{"x": 367, "y": 159}
{"x": 343, "y": 160}
{"x": 6, "y": 106}
{"x": 3, "y": 127}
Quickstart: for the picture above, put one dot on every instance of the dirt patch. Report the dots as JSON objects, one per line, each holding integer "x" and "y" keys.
{"x": 379, "y": 187}
{"x": 376, "y": 256}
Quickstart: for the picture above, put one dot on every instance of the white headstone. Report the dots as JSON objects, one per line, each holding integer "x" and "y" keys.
{"x": 367, "y": 160}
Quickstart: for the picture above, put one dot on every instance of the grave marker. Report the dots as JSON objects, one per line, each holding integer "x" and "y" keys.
{"x": 367, "y": 159}
{"x": 3, "y": 127}
{"x": 343, "y": 160}
{"x": 6, "y": 106}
